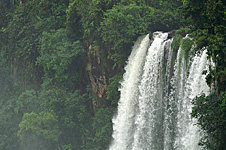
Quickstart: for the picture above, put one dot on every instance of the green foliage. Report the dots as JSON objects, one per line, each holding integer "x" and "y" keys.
{"x": 122, "y": 23}
{"x": 117, "y": 24}
{"x": 3, "y": 11}
{"x": 39, "y": 131}
{"x": 9, "y": 121}
{"x": 211, "y": 114}
{"x": 101, "y": 131}
{"x": 72, "y": 112}
{"x": 90, "y": 14}
{"x": 186, "y": 45}
{"x": 208, "y": 20}
{"x": 176, "y": 42}
{"x": 45, "y": 63}
{"x": 208, "y": 23}
{"x": 119, "y": 60}
{"x": 4, "y": 72}
{"x": 73, "y": 21}
{"x": 43, "y": 59}
{"x": 113, "y": 93}
{"x": 204, "y": 14}
{"x": 120, "y": 27}
{"x": 27, "y": 102}
{"x": 183, "y": 30}
{"x": 21, "y": 37}
{"x": 61, "y": 58}
{"x": 11, "y": 112}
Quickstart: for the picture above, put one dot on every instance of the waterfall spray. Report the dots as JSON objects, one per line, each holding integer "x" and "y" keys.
{"x": 155, "y": 102}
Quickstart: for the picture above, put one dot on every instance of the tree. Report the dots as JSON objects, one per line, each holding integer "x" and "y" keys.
{"x": 100, "y": 130}
{"x": 208, "y": 23}
{"x": 211, "y": 114}
{"x": 71, "y": 109}
{"x": 39, "y": 131}
{"x": 62, "y": 59}
{"x": 207, "y": 18}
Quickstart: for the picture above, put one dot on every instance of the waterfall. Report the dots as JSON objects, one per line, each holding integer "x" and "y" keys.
{"x": 156, "y": 92}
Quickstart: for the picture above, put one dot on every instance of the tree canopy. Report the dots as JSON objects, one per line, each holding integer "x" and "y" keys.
{"x": 51, "y": 96}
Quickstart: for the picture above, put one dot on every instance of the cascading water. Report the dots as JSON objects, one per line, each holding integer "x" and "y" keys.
{"x": 155, "y": 102}
{"x": 124, "y": 123}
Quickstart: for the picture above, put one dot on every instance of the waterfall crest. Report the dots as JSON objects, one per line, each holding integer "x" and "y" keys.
{"x": 155, "y": 102}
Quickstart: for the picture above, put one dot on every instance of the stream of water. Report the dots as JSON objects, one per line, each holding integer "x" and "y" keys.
{"x": 156, "y": 92}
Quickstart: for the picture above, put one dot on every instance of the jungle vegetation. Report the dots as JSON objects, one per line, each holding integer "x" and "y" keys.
{"x": 47, "y": 100}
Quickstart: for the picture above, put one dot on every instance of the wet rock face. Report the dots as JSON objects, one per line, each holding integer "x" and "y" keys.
{"x": 97, "y": 73}
{"x": 171, "y": 34}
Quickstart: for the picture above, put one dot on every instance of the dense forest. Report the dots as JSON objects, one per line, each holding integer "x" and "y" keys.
{"x": 61, "y": 63}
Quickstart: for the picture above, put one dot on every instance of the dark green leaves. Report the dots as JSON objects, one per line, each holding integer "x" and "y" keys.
{"x": 58, "y": 55}
{"x": 122, "y": 23}
{"x": 39, "y": 131}
{"x": 113, "y": 93}
{"x": 211, "y": 115}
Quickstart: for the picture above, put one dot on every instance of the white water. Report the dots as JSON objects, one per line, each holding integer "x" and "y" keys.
{"x": 155, "y": 102}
